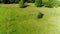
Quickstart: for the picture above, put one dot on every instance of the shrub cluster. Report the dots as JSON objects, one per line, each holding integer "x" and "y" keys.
{"x": 47, "y": 3}
{"x": 38, "y": 3}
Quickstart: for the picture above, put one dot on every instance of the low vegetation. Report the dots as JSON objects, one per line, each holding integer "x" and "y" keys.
{"x": 29, "y": 17}
{"x": 15, "y": 20}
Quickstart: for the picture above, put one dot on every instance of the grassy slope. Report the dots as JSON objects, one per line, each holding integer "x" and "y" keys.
{"x": 15, "y": 20}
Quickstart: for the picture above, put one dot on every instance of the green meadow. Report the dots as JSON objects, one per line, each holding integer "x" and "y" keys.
{"x": 15, "y": 20}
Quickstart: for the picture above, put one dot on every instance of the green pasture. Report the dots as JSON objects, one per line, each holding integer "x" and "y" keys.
{"x": 15, "y": 20}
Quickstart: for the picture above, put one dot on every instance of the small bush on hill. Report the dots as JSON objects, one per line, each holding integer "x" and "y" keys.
{"x": 38, "y": 3}
{"x": 21, "y": 4}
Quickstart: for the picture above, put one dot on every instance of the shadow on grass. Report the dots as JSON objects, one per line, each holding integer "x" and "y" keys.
{"x": 25, "y": 6}
{"x": 40, "y": 15}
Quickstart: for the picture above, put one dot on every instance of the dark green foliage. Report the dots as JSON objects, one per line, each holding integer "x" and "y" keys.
{"x": 9, "y": 1}
{"x": 38, "y": 3}
{"x": 22, "y": 4}
{"x": 6, "y": 1}
{"x": 1, "y": 1}
{"x": 47, "y": 3}
{"x": 12, "y": 1}
{"x": 17, "y": 1}
{"x": 50, "y": 3}
{"x": 57, "y": 4}
{"x": 30, "y": 1}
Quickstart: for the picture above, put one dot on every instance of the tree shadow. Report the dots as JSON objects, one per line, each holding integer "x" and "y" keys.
{"x": 40, "y": 5}
{"x": 25, "y": 6}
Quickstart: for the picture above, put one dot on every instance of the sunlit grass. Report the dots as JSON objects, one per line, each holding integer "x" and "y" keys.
{"x": 15, "y": 20}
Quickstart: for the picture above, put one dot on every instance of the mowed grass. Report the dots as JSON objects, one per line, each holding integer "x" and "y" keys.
{"x": 15, "y": 20}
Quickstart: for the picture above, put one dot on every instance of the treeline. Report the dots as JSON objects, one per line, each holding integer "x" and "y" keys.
{"x": 9, "y": 1}
{"x": 40, "y": 3}
{"x": 15, "y": 1}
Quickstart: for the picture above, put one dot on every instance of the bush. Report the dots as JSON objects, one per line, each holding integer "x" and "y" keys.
{"x": 22, "y": 4}
{"x": 51, "y": 3}
{"x": 38, "y": 3}
{"x": 47, "y": 3}
{"x": 57, "y": 4}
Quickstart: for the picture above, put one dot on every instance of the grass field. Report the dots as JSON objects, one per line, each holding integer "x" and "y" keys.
{"x": 15, "y": 20}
